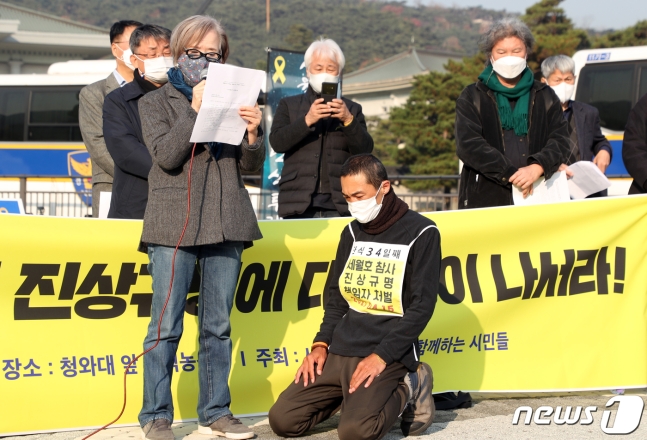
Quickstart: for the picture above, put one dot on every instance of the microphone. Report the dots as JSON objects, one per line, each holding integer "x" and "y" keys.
{"x": 203, "y": 74}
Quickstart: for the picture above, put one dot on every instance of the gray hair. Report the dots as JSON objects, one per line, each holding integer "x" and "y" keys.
{"x": 563, "y": 63}
{"x": 507, "y": 27}
{"x": 191, "y": 31}
{"x": 146, "y": 31}
{"x": 325, "y": 47}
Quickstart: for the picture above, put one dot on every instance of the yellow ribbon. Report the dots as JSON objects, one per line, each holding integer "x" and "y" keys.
{"x": 279, "y": 65}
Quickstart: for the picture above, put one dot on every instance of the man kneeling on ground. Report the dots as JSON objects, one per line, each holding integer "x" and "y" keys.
{"x": 365, "y": 358}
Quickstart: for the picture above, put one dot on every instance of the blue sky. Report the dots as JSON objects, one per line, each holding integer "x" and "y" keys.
{"x": 596, "y": 14}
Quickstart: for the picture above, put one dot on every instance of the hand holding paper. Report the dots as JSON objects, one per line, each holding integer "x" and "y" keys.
{"x": 587, "y": 179}
{"x": 552, "y": 190}
{"x": 228, "y": 88}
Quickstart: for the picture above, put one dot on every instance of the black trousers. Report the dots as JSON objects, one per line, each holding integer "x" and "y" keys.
{"x": 368, "y": 413}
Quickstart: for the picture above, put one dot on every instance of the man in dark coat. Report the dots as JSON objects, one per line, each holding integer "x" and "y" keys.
{"x": 317, "y": 138}
{"x": 122, "y": 127}
{"x": 634, "y": 147}
{"x": 587, "y": 141}
{"x": 91, "y": 101}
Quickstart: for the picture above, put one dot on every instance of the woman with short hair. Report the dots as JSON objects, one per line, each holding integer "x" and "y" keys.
{"x": 509, "y": 128}
{"x": 221, "y": 222}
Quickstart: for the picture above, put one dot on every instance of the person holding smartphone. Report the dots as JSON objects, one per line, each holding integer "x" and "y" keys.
{"x": 317, "y": 132}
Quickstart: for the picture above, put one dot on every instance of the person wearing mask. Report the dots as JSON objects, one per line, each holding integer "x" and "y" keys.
{"x": 634, "y": 146}
{"x": 91, "y": 110}
{"x": 510, "y": 129}
{"x": 365, "y": 358}
{"x": 587, "y": 141}
{"x": 151, "y": 56}
{"x": 219, "y": 224}
{"x": 317, "y": 138}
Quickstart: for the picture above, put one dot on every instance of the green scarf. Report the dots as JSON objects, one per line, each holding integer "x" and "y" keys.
{"x": 517, "y": 119}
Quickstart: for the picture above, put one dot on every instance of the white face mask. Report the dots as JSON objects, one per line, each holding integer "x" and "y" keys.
{"x": 564, "y": 91}
{"x": 125, "y": 57}
{"x": 509, "y": 67}
{"x": 156, "y": 69}
{"x": 365, "y": 210}
{"x": 318, "y": 79}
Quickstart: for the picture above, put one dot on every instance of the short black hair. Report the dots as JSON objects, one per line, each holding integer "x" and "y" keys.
{"x": 368, "y": 165}
{"x": 146, "y": 31}
{"x": 119, "y": 28}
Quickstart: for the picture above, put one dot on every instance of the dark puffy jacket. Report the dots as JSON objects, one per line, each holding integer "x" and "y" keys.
{"x": 302, "y": 147}
{"x": 634, "y": 147}
{"x": 479, "y": 143}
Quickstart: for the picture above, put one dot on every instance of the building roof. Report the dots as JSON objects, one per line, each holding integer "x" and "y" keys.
{"x": 30, "y": 33}
{"x": 34, "y": 21}
{"x": 397, "y": 71}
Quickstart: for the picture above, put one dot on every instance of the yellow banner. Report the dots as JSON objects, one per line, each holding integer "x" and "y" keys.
{"x": 548, "y": 297}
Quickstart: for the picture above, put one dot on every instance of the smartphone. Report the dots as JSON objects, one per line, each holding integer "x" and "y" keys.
{"x": 329, "y": 91}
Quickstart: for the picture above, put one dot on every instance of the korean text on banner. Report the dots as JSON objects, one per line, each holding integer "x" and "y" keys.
{"x": 534, "y": 298}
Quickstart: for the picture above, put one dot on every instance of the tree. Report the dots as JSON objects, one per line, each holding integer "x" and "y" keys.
{"x": 424, "y": 127}
{"x": 367, "y": 31}
{"x": 553, "y": 31}
{"x": 299, "y": 38}
{"x": 632, "y": 36}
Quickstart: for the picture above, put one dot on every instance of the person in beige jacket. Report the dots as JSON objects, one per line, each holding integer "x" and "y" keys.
{"x": 91, "y": 110}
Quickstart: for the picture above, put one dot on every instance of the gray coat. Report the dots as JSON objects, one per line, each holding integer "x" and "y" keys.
{"x": 91, "y": 125}
{"x": 220, "y": 206}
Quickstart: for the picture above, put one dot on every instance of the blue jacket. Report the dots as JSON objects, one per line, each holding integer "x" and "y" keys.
{"x": 122, "y": 130}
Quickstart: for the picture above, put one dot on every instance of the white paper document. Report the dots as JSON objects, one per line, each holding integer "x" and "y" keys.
{"x": 587, "y": 179}
{"x": 553, "y": 190}
{"x": 227, "y": 89}
{"x": 105, "y": 197}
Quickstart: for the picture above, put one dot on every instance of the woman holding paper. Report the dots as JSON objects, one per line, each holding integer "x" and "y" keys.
{"x": 212, "y": 230}
{"x": 510, "y": 129}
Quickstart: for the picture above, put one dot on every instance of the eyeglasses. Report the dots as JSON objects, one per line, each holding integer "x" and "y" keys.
{"x": 194, "y": 54}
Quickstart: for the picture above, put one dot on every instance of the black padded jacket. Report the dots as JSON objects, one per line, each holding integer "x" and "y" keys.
{"x": 303, "y": 147}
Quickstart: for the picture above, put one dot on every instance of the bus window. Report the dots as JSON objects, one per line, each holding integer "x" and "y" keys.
{"x": 54, "y": 116}
{"x": 608, "y": 88}
{"x": 643, "y": 82}
{"x": 13, "y": 106}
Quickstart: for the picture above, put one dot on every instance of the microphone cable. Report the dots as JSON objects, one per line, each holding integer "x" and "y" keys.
{"x": 168, "y": 297}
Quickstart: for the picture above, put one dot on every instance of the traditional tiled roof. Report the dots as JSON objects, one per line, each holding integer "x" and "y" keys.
{"x": 397, "y": 71}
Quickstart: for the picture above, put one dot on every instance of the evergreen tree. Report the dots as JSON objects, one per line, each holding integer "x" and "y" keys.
{"x": 299, "y": 38}
{"x": 553, "y": 31}
{"x": 632, "y": 36}
{"x": 424, "y": 127}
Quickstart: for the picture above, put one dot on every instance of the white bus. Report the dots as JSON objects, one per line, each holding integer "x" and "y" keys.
{"x": 41, "y": 142}
{"x": 40, "y": 139}
{"x": 612, "y": 80}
